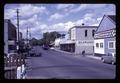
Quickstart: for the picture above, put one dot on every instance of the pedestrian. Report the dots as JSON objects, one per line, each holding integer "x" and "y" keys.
{"x": 83, "y": 53}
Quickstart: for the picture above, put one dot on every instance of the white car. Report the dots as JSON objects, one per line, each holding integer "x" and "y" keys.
{"x": 109, "y": 58}
{"x": 12, "y": 54}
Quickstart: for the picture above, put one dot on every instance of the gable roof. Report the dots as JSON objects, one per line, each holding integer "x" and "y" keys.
{"x": 111, "y": 19}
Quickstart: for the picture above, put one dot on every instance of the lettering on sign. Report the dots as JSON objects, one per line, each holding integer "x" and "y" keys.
{"x": 85, "y": 43}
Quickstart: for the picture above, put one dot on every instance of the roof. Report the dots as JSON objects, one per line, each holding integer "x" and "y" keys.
{"x": 83, "y": 27}
{"x": 109, "y": 23}
{"x": 67, "y": 42}
{"x": 112, "y": 17}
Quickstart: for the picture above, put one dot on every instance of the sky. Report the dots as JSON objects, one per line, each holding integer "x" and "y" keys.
{"x": 41, "y": 18}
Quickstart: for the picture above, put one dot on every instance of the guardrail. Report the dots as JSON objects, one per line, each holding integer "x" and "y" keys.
{"x": 14, "y": 66}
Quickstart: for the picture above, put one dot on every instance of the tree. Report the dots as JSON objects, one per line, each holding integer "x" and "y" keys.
{"x": 34, "y": 41}
{"x": 49, "y": 37}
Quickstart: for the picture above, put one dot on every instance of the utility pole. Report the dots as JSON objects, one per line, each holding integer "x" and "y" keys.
{"x": 18, "y": 28}
{"x": 27, "y": 40}
{"x": 27, "y": 36}
{"x": 30, "y": 38}
{"x": 30, "y": 34}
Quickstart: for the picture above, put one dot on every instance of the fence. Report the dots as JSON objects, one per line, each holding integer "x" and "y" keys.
{"x": 13, "y": 65}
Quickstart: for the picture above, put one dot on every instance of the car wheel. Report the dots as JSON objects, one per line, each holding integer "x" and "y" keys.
{"x": 112, "y": 62}
{"x": 103, "y": 60}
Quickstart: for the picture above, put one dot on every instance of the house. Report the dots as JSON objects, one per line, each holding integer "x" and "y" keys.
{"x": 105, "y": 36}
{"x": 81, "y": 38}
{"x": 10, "y": 37}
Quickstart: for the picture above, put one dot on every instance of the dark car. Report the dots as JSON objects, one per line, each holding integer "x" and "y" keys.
{"x": 38, "y": 54}
{"x": 33, "y": 53}
{"x": 45, "y": 47}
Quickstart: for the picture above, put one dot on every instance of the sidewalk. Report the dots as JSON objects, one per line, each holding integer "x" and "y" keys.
{"x": 89, "y": 56}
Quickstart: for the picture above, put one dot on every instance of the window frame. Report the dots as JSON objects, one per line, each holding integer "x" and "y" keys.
{"x": 101, "y": 45}
{"x": 113, "y": 44}
{"x": 96, "y": 45}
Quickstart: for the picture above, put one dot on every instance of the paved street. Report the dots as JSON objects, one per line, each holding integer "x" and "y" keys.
{"x": 53, "y": 64}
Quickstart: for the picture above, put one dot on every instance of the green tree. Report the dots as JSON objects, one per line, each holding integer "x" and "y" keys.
{"x": 49, "y": 37}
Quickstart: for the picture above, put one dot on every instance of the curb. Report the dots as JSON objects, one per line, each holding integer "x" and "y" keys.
{"x": 94, "y": 57}
{"x": 98, "y": 58}
{"x": 63, "y": 51}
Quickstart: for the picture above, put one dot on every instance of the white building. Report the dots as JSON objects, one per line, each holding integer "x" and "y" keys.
{"x": 81, "y": 38}
{"x": 57, "y": 42}
{"x": 105, "y": 38}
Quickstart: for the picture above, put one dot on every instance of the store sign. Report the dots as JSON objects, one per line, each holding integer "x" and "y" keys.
{"x": 110, "y": 33}
{"x": 85, "y": 42}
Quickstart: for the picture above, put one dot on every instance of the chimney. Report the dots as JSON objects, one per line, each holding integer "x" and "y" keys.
{"x": 83, "y": 24}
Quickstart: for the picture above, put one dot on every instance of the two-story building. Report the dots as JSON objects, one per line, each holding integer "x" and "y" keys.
{"x": 81, "y": 38}
{"x": 105, "y": 39}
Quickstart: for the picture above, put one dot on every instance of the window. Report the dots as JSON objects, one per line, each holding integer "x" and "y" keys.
{"x": 93, "y": 31}
{"x": 101, "y": 45}
{"x": 111, "y": 44}
{"x": 97, "y": 45}
{"x": 85, "y": 33}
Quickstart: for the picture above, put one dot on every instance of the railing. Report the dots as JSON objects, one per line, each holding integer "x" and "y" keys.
{"x": 11, "y": 65}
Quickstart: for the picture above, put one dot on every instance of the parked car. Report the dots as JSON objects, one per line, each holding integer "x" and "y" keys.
{"x": 109, "y": 58}
{"x": 12, "y": 54}
{"x": 34, "y": 53}
{"x": 38, "y": 54}
{"x": 45, "y": 47}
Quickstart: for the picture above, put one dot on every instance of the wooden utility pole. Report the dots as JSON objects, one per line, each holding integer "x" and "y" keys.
{"x": 18, "y": 28}
{"x": 27, "y": 37}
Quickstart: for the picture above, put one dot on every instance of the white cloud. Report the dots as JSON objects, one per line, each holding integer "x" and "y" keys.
{"x": 62, "y": 6}
{"x": 68, "y": 25}
{"x": 32, "y": 20}
{"x": 79, "y": 22}
{"x": 89, "y": 20}
{"x": 87, "y": 6}
{"x": 9, "y": 13}
{"x": 79, "y": 8}
{"x": 29, "y": 10}
{"x": 25, "y": 10}
{"x": 56, "y": 16}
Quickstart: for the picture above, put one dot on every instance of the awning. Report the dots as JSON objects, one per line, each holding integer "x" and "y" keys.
{"x": 67, "y": 42}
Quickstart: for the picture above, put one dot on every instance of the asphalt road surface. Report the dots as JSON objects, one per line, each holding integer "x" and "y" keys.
{"x": 57, "y": 65}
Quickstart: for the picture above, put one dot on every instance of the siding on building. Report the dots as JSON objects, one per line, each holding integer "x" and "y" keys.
{"x": 107, "y": 50}
{"x": 9, "y": 36}
{"x": 99, "y": 50}
{"x": 86, "y": 43}
{"x": 106, "y": 24}
{"x": 106, "y": 32}
{"x": 73, "y": 34}
{"x": 6, "y": 36}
